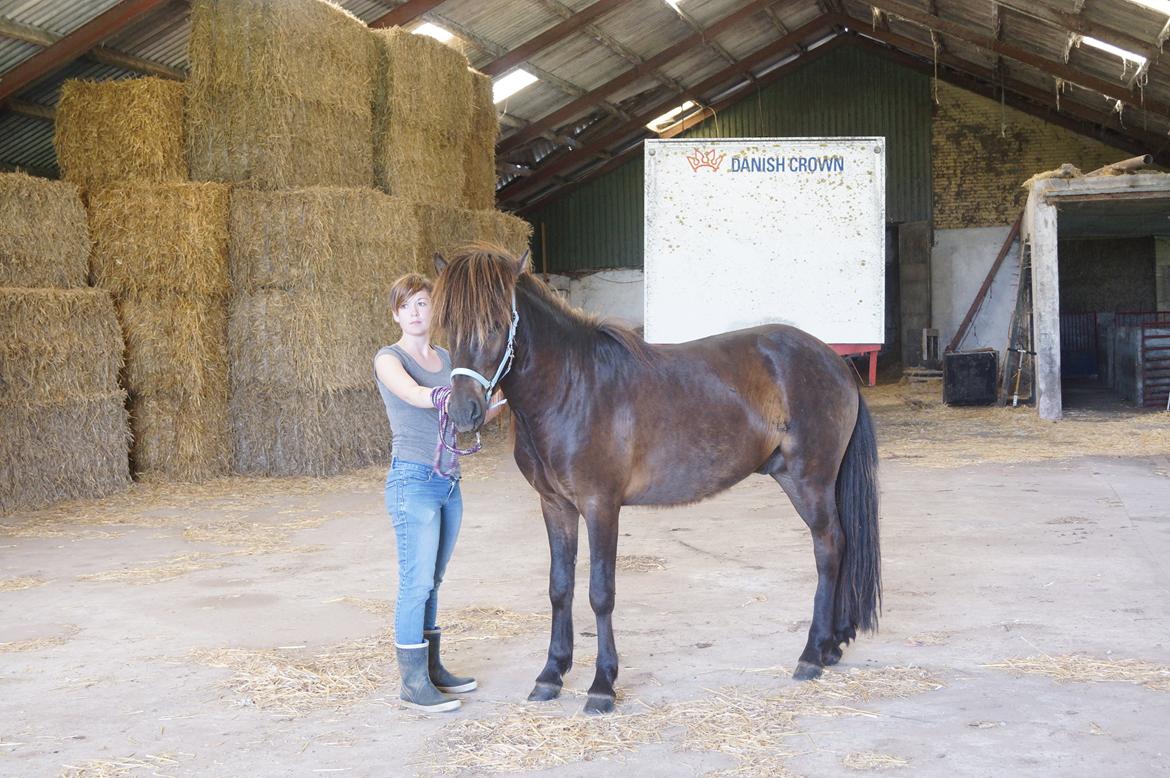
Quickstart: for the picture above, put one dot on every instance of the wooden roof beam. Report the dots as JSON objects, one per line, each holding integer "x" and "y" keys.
{"x": 74, "y": 44}
{"x": 550, "y": 36}
{"x": 32, "y": 110}
{"x": 405, "y": 13}
{"x": 989, "y": 83}
{"x": 600, "y": 145}
{"x": 618, "y": 159}
{"x": 1057, "y": 69}
{"x": 100, "y": 54}
{"x": 575, "y": 107}
{"x": 1075, "y": 22}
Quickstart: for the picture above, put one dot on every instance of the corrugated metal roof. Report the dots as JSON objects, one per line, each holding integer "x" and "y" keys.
{"x": 643, "y": 28}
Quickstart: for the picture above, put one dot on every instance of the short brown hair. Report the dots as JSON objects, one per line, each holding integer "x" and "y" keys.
{"x": 407, "y": 287}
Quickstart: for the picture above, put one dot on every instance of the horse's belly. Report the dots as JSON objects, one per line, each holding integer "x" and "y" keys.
{"x": 684, "y": 484}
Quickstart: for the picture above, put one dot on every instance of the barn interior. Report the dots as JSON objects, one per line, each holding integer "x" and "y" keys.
{"x": 203, "y": 204}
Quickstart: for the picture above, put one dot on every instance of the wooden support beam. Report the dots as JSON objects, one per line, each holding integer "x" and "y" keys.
{"x": 629, "y": 151}
{"x": 405, "y": 13}
{"x": 599, "y": 145}
{"x": 100, "y": 54}
{"x": 575, "y": 107}
{"x": 977, "y": 303}
{"x": 74, "y": 45}
{"x": 32, "y": 110}
{"x": 550, "y": 36}
{"x": 1057, "y": 69}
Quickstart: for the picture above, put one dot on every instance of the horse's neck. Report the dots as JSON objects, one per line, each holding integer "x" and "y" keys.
{"x": 546, "y": 344}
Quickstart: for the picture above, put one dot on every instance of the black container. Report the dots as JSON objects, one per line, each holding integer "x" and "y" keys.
{"x": 970, "y": 377}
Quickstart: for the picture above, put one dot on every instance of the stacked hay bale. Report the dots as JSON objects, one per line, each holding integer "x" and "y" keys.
{"x": 435, "y": 132}
{"x": 162, "y": 251}
{"x": 310, "y": 272}
{"x": 479, "y": 156}
{"x": 117, "y": 132}
{"x": 279, "y": 94}
{"x": 62, "y": 413}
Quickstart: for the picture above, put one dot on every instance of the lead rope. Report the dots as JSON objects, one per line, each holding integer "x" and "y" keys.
{"x": 440, "y": 396}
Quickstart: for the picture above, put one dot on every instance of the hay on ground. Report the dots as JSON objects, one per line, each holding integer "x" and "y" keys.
{"x": 44, "y": 241}
{"x": 756, "y": 727}
{"x": 161, "y": 239}
{"x": 17, "y": 584}
{"x": 868, "y": 760}
{"x": 57, "y": 344}
{"x": 479, "y": 156}
{"x": 1087, "y": 669}
{"x": 293, "y": 682}
{"x": 114, "y": 132}
{"x": 640, "y": 563}
{"x": 484, "y": 623}
{"x": 157, "y": 572}
{"x": 913, "y": 424}
{"x": 279, "y": 95}
{"x": 250, "y": 537}
{"x": 319, "y": 239}
{"x": 121, "y": 768}
{"x": 422, "y": 117}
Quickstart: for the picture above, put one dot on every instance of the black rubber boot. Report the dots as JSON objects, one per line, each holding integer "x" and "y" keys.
{"x": 440, "y": 677}
{"x": 417, "y": 690}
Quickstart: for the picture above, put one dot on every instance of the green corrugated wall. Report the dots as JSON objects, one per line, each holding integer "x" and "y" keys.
{"x": 849, "y": 92}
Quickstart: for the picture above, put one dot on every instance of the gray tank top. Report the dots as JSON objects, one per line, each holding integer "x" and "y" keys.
{"x": 415, "y": 431}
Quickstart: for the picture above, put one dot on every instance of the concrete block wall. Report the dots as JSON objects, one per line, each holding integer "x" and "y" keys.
{"x": 978, "y": 170}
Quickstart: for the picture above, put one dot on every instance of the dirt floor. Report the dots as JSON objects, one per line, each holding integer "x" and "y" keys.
{"x": 242, "y": 627}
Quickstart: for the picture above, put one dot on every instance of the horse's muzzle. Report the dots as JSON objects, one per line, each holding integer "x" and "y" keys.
{"x": 466, "y": 412}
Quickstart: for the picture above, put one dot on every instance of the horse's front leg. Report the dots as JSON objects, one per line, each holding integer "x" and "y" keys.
{"x": 561, "y": 520}
{"x": 602, "y": 523}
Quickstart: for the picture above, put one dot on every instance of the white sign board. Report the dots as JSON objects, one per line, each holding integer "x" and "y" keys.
{"x": 748, "y": 231}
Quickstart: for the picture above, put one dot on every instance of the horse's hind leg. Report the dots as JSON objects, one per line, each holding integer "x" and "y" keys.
{"x": 815, "y": 499}
{"x": 561, "y": 520}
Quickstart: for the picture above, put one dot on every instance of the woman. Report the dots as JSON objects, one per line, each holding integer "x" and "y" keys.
{"x": 426, "y": 506}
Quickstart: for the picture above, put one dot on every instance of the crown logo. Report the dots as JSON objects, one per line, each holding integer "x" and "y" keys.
{"x": 705, "y": 159}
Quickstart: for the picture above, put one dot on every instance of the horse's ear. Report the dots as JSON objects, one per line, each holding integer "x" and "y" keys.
{"x": 440, "y": 263}
{"x": 522, "y": 263}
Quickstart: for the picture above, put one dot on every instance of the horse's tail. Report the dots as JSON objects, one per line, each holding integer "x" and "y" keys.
{"x": 859, "y": 585}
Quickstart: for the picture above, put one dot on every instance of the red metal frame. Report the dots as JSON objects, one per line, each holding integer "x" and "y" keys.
{"x": 860, "y": 350}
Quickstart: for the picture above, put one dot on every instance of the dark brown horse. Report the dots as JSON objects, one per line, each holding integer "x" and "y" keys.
{"x": 603, "y": 419}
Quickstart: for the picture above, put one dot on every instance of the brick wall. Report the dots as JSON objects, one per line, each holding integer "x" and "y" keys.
{"x": 978, "y": 173}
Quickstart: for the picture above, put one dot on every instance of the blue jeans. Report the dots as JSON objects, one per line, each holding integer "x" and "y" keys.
{"x": 427, "y": 510}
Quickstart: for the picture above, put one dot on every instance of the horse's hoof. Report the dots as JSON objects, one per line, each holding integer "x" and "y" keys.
{"x": 831, "y": 656}
{"x": 807, "y": 671}
{"x": 543, "y": 692}
{"x": 599, "y": 703}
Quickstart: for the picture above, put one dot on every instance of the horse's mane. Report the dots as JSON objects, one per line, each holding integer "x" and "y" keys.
{"x": 474, "y": 295}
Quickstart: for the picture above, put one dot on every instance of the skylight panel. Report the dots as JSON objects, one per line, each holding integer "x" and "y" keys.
{"x": 660, "y": 123}
{"x": 505, "y": 87}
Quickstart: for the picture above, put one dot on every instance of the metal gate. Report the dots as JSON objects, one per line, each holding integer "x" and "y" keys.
{"x": 1078, "y": 344}
{"x": 1156, "y": 364}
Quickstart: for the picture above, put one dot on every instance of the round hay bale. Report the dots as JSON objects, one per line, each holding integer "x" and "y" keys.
{"x": 280, "y": 94}
{"x": 114, "y": 132}
{"x": 44, "y": 241}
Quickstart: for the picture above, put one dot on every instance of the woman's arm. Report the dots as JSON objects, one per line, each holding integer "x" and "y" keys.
{"x": 395, "y": 378}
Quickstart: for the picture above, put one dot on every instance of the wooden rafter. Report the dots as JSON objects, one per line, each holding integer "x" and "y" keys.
{"x": 1057, "y": 69}
{"x": 550, "y": 36}
{"x": 625, "y": 155}
{"x": 405, "y": 13}
{"x": 1080, "y": 25}
{"x": 599, "y": 146}
{"x": 74, "y": 45}
{"x": 101, "y": 54}
{"x": 989, "y": 83}
{"x": 575, "y": 107}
